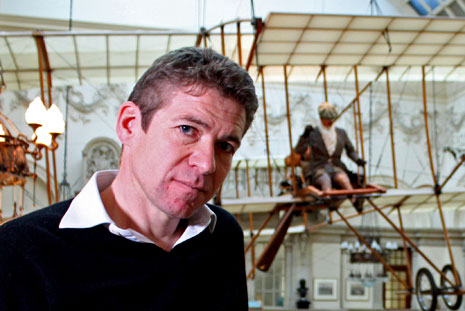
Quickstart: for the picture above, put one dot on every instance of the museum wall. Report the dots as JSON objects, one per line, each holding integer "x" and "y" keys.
{"x": 317, "y": 258}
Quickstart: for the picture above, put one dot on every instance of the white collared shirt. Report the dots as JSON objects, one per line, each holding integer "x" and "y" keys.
{"x": 87, "y": 210}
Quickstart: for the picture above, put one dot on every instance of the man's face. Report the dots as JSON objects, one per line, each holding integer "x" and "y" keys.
{"x": 327, "y": 122}
{"x": 184, "y": 156}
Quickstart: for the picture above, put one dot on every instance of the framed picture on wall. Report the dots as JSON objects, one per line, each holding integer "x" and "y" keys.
{"x": 356, "y": 291}
{"x": 324, "y": 289}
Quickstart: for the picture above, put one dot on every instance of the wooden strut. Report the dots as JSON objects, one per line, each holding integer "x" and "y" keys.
{"x": 223, "y": 46}
{"x": 452, "y": 173}
{"x": 354, "y": 108}
{"x": 402, "y": 234}
{"x": 360, "y": 127}
{"x": 43, "y": 58}
{"x": 438, "y": 201}
{"x": 253, "y": 247}
{"x": 271, "y": 249}
{"x": 39, "y": 43}
{"x": 267, "y": 139}
{"x": 343, "y": 192}
{"x": 325, "y": 83}
{"x": 406, "y": 252}
{"x": 239, "y": 43}
{"x": 289, "y": 128}
{"x": 375, "y": 253}
{"x": 258, "y": 23}
{"x": 236, "y": 177}
{"x": 198, "y": 40}
{"x": 47, "y": 163}
{"x": 446, "y": 237}
{"x": 391, "y": 127}
{"x": 54, "y": 162}
{"x": 260, "y": 229}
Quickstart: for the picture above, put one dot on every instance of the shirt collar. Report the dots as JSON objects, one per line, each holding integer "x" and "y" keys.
{"x": 87, "y": 210}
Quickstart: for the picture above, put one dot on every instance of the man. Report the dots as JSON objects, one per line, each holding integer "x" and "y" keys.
{"x": 326, "y": 143}
{"x": 143, "y": 238}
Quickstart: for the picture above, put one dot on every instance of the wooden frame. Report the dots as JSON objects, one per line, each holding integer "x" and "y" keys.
{"x": 324, "y": 289}
{"x": 356, "y": 291}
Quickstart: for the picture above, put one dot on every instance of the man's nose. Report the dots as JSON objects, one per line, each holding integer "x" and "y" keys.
{"x": 204, "y": 159}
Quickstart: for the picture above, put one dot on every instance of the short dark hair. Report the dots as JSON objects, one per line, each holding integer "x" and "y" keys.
{"x": 194, "y": 68}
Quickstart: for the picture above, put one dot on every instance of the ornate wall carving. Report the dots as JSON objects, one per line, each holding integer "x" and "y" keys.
{"x": 100, "y": 153}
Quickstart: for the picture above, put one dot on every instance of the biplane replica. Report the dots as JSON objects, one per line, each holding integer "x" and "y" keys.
{"x": 288, "y": 42}
{"x": 288, "y": 48}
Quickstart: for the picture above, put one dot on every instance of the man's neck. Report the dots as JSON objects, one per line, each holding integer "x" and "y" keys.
{"x": 159, "y": 228}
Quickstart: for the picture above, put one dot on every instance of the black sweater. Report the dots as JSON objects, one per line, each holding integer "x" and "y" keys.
{"x": 43, "y": 267}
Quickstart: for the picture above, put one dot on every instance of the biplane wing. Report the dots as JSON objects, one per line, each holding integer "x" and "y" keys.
{"x": 410, "y": 200}
{"x": 423, "y": 199}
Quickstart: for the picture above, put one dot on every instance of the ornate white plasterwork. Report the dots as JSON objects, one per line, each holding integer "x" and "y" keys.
{"x": 100, "y": 153}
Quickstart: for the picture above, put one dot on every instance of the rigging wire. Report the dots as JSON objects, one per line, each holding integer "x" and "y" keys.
{"x": 254, "y": 26}
{"x": 374, "y": 6}
{"x": 252, "y": 9}
{"x": 201, "y": 9}
{"x": 70, "y": 21}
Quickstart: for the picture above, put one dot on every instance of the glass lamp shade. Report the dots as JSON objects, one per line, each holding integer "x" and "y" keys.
{"x": 43, "y": 136}
{"x": 55, "y": 121}
{"x": 36, "y": 112}
{"x": 344, "y": 245}
{"x": 351, "y": 248}
{"x": 376, "y": 246}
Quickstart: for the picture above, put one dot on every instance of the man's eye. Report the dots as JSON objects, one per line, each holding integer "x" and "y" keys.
{"x": 227, "y": 147}
{"x": 186, "y": 129}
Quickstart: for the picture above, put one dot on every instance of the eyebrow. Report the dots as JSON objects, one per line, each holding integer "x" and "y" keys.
{"x": 205, "y": 125}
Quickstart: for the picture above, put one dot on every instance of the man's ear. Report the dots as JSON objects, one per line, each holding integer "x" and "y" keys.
{"x": 128, "y": 122}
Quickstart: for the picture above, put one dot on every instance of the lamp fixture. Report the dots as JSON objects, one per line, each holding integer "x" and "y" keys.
{"x": 359, "y": 253}
{"x": 47, "y": 125}
{"x": 364, "y": 265}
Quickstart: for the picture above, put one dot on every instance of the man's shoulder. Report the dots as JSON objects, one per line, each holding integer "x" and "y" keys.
{"x": 46, "y": 218}
{"x": 308, "y": 130}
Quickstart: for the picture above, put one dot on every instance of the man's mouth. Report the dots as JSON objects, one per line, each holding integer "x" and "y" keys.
{"x": 200, "y": 188}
